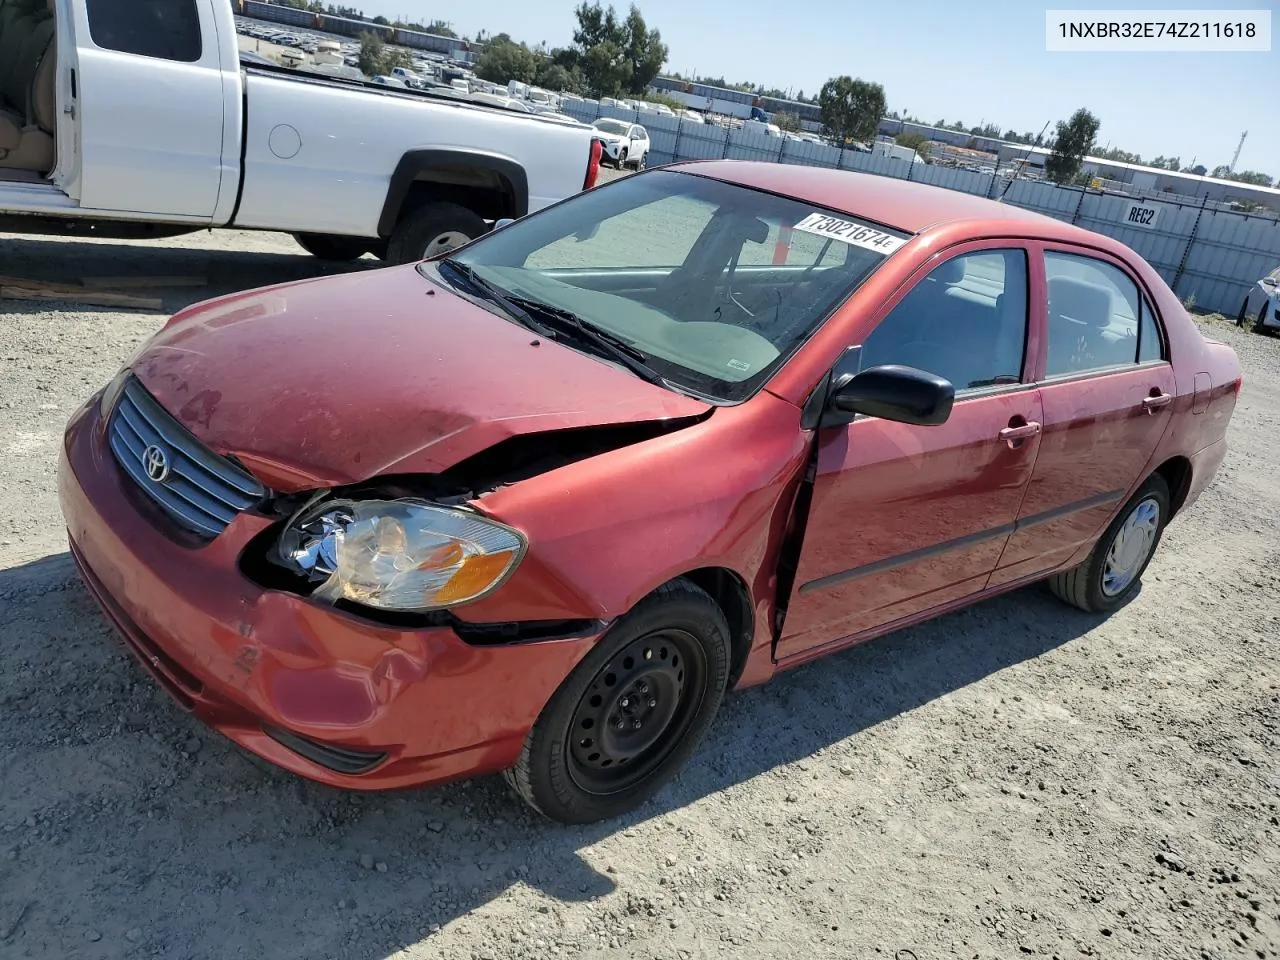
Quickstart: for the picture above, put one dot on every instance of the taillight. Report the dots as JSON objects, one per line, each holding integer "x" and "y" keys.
{"x": 593, "y": 164}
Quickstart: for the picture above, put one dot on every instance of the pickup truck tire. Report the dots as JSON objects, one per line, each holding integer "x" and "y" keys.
{"x": 432, "y": 229}
{"x": 340, "y": 249}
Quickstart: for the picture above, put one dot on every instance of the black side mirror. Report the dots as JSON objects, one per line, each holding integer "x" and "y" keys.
{"x": 893, "y": 392}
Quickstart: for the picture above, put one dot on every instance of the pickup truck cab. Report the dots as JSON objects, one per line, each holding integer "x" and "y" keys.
{"x": 137, "y": 118}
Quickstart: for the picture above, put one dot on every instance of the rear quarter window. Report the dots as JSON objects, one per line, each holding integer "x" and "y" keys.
{"x": 160, "y": 29}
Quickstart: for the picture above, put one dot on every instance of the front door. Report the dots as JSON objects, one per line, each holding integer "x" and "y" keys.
{"x": 150, "y": 102}
{"x": 1107, "y": 391}
{"x": 906, "y": 518}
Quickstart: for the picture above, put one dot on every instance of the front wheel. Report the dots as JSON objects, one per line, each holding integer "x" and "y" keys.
{"x": 432, "y": 229}
{"x": 1112, "y": 572}
{"x": 337, "y": 249}
{"x": 631, "y": 713}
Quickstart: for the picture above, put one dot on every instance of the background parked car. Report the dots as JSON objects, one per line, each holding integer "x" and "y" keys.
{"x": 1262, "y": 305}
{"x": 625, "y": 144}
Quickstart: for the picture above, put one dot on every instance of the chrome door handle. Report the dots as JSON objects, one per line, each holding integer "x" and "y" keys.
{"x": 1153, "y": 403}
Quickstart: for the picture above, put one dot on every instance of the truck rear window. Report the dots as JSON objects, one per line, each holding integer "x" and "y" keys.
{"x": 163, "y": 29}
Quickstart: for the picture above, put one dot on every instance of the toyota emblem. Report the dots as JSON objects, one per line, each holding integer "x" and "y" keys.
{"x": 156, "y": 463}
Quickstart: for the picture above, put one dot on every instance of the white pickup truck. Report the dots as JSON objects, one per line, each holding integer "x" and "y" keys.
{"x": 137, "y": 118}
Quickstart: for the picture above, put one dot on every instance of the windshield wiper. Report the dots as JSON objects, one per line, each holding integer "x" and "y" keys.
{"x": 630, "y": 356}
{"x": 498, "y": 296}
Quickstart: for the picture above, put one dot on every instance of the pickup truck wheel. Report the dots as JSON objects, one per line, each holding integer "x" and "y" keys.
{"x": 432, "y": 229}
{"x": 340, "y": 249}
{"x": 631, "y": 713}
{"x": 1111, "y": 573}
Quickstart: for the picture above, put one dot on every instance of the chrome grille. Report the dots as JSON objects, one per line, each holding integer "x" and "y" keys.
{"x": 198, "y": 489}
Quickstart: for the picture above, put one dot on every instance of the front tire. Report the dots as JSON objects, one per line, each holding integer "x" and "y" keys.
{"x": 631, "y": 713}
{"x": 336, "y": 249}
{"x": 1111, "y": 574}
{"x": 433, "y": 229}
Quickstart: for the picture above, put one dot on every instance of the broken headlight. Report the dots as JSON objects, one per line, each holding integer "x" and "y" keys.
{"x": 404, "y": 555}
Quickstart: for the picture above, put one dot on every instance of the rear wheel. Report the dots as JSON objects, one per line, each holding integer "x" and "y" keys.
{"x": 433, "y": 229}
{"x": 642, "y": 162}
{"x": 337, "y": 249}
{"x": 1112, "y": 572}
{"x": 631, "y": 713}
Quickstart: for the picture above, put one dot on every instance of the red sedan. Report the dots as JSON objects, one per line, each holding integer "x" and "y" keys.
{"x": 535, "y": 505}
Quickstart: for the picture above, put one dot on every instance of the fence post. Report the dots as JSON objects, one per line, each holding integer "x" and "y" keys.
{"x": 1079, "y": 203}
{"x": 675, "y": 148}
{"x": 727, "y": 130}
{"x": 1186, "y": 253}
{"x": 782, "y": 148}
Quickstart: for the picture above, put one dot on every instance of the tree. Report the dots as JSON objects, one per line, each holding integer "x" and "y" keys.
{"x": 553, "y": 76}
{"x": 1251, "y": 177}
{"x": 851, "y": 109}
{"x": 441, "y": 29}
{"x": 1199, "y": 170}
{"x": 787, "y": 121}
{"x": 1075, "y": 138}
{"x": 504, "y": 61}
{"x": 372, "y": 51}
{"x": 616, "y": 56}
{"x": 916, "y": 141}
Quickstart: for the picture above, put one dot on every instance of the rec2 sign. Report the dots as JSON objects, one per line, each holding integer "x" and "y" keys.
{"x": 1141, "y": 215}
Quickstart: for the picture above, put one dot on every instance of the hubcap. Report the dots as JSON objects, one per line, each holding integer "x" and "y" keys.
{"x": 445, "y": 242}
{"x": 635, "y": 711}
{"x": 1131, "y": 547}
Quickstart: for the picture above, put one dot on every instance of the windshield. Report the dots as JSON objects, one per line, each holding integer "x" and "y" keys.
{"x": 714, "y": 284}
{"x": 611, "y": 126}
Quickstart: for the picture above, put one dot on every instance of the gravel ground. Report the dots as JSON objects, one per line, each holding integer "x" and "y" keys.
{"x": 1015, "y": 779}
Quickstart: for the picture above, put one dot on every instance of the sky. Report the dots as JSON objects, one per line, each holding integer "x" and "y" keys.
{"x": 976, "y": 61}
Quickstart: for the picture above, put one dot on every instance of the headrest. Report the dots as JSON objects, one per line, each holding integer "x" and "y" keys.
{"x": 1080, "y": 300}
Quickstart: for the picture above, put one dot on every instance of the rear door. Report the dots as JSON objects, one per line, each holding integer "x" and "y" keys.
{"x": 150, "y": 101}
{"x": 1107, "y": 388}
{"x": 907, "y": 518}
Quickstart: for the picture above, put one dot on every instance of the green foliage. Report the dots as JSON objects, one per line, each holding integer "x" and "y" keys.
{"x": 851, "y": 109}
{"x": 503, "y": 61}
{"x": 1075, "y": 138}
{"x": 616, "y": 56}
{"x": 916, "y": 141}
{"x": 787, "y": 121}
{"x": 372, "y": 51}
{"x": 553, "y": 76}
{"x": 1199, "y": 170}
{"x": 377, "y": 58}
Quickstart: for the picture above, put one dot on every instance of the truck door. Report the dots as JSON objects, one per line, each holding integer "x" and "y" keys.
{"x": 149, "y": 93}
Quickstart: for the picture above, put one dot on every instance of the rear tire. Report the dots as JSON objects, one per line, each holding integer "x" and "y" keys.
{"x": 336, "y": 249}
{"x": 1106, "y": 579}
{"x": 664, "y": 666}
{"x": 433, "y": 229}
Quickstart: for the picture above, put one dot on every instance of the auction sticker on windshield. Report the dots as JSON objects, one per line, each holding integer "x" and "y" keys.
{"x": 854, "y": 234}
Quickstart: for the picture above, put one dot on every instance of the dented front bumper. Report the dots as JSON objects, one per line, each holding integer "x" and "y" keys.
{"x": 317, "y": 691}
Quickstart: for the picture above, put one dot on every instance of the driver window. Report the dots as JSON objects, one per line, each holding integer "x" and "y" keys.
{"x": 966, "y": 321}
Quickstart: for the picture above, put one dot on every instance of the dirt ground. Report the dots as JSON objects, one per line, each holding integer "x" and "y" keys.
{"x": 1016, "y": 779}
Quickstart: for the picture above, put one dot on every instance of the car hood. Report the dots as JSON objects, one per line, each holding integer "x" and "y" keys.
{"x": 332, "y": 381}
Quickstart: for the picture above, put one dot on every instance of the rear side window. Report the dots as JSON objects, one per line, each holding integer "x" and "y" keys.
{"x": 1093, "y": 315}
{"x": 162, "y": 29}
{"x": 1150, "y": 346}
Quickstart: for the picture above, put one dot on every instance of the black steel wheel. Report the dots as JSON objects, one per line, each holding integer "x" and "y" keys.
{"x": 632, "y": 712}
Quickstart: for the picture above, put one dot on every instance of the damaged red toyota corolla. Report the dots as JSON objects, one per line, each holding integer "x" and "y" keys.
{"x": 534, "y": 506}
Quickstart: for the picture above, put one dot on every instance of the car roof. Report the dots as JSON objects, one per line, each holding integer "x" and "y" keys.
{"x": 907, "y": 205}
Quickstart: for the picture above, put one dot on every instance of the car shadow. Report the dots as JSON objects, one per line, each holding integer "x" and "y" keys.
{"x": 118, "y": 810}
{"x": 196, "y": 271}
